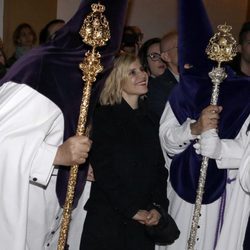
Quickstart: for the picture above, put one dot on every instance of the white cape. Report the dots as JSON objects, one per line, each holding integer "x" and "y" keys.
{"x": 236, "y": 218}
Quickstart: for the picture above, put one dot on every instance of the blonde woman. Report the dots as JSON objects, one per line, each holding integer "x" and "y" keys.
{"x": 128, "y": 165}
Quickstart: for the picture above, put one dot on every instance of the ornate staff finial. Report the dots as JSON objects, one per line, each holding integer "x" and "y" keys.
{"x": 95, "y": 32}
{"x": 95, "y": 29}
{"x": 221, "y": 48}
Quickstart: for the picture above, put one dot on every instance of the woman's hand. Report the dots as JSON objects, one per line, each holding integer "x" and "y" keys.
{"x": 73, "y": 151}
{"x": 153, "y": 218}
{"x": 141, "y": 216}
{"x": 149, "y": 218}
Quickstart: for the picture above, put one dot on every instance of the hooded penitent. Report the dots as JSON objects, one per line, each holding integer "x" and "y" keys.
{"x": 53, "y": 70}
{"x": 193, "y": 93}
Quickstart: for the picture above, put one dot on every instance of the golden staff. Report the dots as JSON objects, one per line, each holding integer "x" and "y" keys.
{"x": 221, "y": 48}
{"x": 94, "y": 32}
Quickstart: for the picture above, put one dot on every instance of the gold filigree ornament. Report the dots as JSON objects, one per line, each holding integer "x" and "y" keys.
{"x": 95, "y": 29}
{"x": 222, "y": 46}
{"x": 95, "y": 32}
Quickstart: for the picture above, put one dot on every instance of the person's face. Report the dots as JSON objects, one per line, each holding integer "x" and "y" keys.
{"x": 170, "y": 52}
{"x": 155, "y": 64}
{"x": 244, "y": 48}
{"x": 136, "y": 83}
{"x": 2, "y": 59}
{"x": 26, "y": 38}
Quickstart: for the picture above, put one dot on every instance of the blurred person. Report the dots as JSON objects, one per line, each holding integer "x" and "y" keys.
{"x": 161, "y": 86}
{"x": 48, "y": 31}
{"x": 241, "y": 63}
{"x": 169, "y": 52}
{"x": 150, "y": 57}
{"x": 139, "y": 33}
{"x": 2, "y": 57}
{"x": 24, "y": 39}
{"x": 130, "y": 40}
{"x": 3, "y": 60}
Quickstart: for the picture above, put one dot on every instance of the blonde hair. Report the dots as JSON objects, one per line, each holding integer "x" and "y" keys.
{"x": 112, "y": 91}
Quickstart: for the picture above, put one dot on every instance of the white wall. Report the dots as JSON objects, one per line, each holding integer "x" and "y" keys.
{"x": 1, "y": 18}
{"x": 230, "y": 12}
{"x": 66, "y": 8}
{"x": 154, "y": 17}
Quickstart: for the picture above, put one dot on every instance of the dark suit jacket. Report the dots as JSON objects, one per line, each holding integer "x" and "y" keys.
{"x": 129, "y": 175}
{"x": 159, "y": 89}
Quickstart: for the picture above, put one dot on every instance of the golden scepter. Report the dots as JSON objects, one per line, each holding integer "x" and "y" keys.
{"x": 94, "y": 32}
{"x": 221, "y": 48}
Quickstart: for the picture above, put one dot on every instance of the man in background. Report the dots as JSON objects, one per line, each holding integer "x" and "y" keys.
{"x": 161, "y": 86}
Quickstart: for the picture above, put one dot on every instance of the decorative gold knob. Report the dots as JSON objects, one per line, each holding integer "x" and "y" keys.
{"x": 222, "y": 46}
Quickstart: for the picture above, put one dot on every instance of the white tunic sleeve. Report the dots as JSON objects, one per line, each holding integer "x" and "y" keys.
{"x": 27, "y": 119}
{"x": 233, "y": 150}
{"x": 237, "y": 214}
{"x": 244, "y": 172}
{"x": 174, "y": 137}
{"x": 40, "y": 173}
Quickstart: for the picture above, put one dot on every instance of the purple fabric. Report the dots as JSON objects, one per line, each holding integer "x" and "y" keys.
{"x": 194, "y": 33}
{"x": 193, "y": 93}
{"x": 53, "y": 70}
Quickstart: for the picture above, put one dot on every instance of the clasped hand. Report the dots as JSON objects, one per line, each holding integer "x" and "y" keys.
{"x": 148, "y": 218}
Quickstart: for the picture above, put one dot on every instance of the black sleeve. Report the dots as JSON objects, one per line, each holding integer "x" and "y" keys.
{"x": 159, "y": 195}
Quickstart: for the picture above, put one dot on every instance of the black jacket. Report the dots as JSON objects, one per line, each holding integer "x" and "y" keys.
{"x": 159, "y": 89}
{"x": 129, "y": 175}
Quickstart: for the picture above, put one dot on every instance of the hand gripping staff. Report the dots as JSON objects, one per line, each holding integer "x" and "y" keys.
{"x": 94, "y": 32}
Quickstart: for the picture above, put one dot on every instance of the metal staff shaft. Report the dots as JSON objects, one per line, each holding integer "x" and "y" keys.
{"x": 217, "y": 75}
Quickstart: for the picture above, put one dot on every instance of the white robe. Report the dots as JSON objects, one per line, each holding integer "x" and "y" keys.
{"x": 76, "y": 224}
{"x": 236, "y": 218}
{"x": 174, "y": 139}
{"x": 31, "y": 128}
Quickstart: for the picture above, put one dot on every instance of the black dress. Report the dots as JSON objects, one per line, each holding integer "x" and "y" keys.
{"x": 129, "y": 175}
